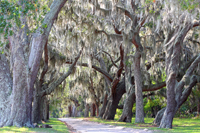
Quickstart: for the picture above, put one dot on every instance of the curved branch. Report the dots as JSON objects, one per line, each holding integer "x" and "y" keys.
{"x": 109, "y": 67}
{"x": 62, "y": 78}
{"x": 188, "y": 90}
{"x": 110, "y": 58}
{"x": 154, "y": 87}
{"x": 118, "y": 74}
{"x": 127, "y": 13}
{"x": 96, "y": 68}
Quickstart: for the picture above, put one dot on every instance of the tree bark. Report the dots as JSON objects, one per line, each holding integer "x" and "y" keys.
{"x": 86, "y": 113}
{"x": 25, "y": 69}
{"x": 139, "y": 117}
{"x": 183, "y": 97}
{"x": 174, "y": 89}
{"x": 70, "y": 110}
{"x": 21, "y": 100}
{"x": 127, "y": 109}
{"x": 113, "y": 103}
{"x": 37, "y": 105}
{"x": 103, "y": 108}
{"x": 92, "y": 110}
{"x": 5, "y": 89}
{"x": 159, "y": 116}
{"x": 198, "y": 107}
{"x": 97, "y": 109}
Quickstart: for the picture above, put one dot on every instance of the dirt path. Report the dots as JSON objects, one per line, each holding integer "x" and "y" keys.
{"x": 82, "y": 126}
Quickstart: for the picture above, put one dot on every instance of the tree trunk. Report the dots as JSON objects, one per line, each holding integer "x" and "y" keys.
{"x": 174, "y": 89}
{"x": 159, "y": 116}
{"x": 93, "y": 110}
{"x": 180, "y": 99}
{"x": 198, "y": 107}
{"x": 25, "y": 69}
{"x": 113, "y": 104}
{"x": 86, "y": 113}
{"x": 70, "y": 110}
{"x": 21, "y": 100}
{"x": 139, "y": 117}
{"x": 97, "y": 109}
{"x": 45, "y": 104}
{"x": 103, "y": 108}
{"x": 5, "y": 89}
{"x": 127, "y": 109}
{"x": 37, "y": 105}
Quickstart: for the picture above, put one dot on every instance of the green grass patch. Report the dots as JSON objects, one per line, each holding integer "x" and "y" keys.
{"x": 180, "y": 125}
{"x": 57, "y": 127}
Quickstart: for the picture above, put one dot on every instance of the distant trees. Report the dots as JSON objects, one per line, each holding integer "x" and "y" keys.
{"x": 108, "y": 47}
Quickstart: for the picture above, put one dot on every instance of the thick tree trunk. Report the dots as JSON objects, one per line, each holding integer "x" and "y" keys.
{"x": 180, "y": 99}
{"x": 73, "y": 111}
{"x": 93, "y": 110}
{"x": 174, "y": 89}
{"x": 37, "y": 105}
{"x": 44, "y": 109}
{"x": 103, "y": 108}
{"x": 139, "y": 117}
{"x": 159, "y": 116}
{"x": 86, "y": 113}
{"x": 97, "y": 109}
{"x": 48, "y": 110}
{"x": 21, "y": 100}
{"x": 113, "y": 104}
{"x": 127, "y": 109}
{"x": 25, "y": 69}
{"x": 5, "y": 89}
{"x": 70, "y": 110}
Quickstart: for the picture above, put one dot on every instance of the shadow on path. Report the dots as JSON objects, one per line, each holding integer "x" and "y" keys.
{"x": 81, "y": 126}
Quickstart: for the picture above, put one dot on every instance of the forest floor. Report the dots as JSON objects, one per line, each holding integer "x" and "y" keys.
{"x": 85, "y": 126}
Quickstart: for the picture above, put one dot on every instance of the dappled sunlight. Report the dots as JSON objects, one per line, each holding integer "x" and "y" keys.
{"x": 57, "y": 127}
{"x": 183, "y": 125}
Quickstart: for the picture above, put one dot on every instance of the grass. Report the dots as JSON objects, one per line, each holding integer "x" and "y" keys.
{"x": 57, "y": 127}
{"x": 180, "y": 125}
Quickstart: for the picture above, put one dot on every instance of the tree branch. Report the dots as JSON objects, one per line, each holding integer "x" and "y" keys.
{"x": 127, "y": 13}
{"x": 154, "y": 87}
{"x": 118, "y": 74}
{"x": 45, "y": 68}
{"x": 110, "y": 78}
{"x": 110, "y": 58}
{"x": 62, "y": 78}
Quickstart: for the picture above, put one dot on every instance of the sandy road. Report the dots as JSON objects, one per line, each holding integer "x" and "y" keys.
{"x": 82, "y": 126}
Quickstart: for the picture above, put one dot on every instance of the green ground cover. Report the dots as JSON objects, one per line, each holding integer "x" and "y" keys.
{"x": 180, "y": 125}
{"x": 57, "y": 127}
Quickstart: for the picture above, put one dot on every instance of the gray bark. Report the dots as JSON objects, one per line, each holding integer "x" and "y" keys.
{"x": 86, "y": 113}
{"x": 159, "y": 116}
{"x": 5, "y": 89}
{"x": 37, "y": 105}
{"x": 175, "y": 94}
{"x": 127, "y": 109}
{"x": 139, "y": 117}
{"x": 25, "y": 69}
{"x": 103, "y": 108}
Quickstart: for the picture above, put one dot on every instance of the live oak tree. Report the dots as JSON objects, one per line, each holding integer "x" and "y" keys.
{"x": 26, "y": 52}
{"x": 174, "y": 42}
{"x": 133, "y": 45}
